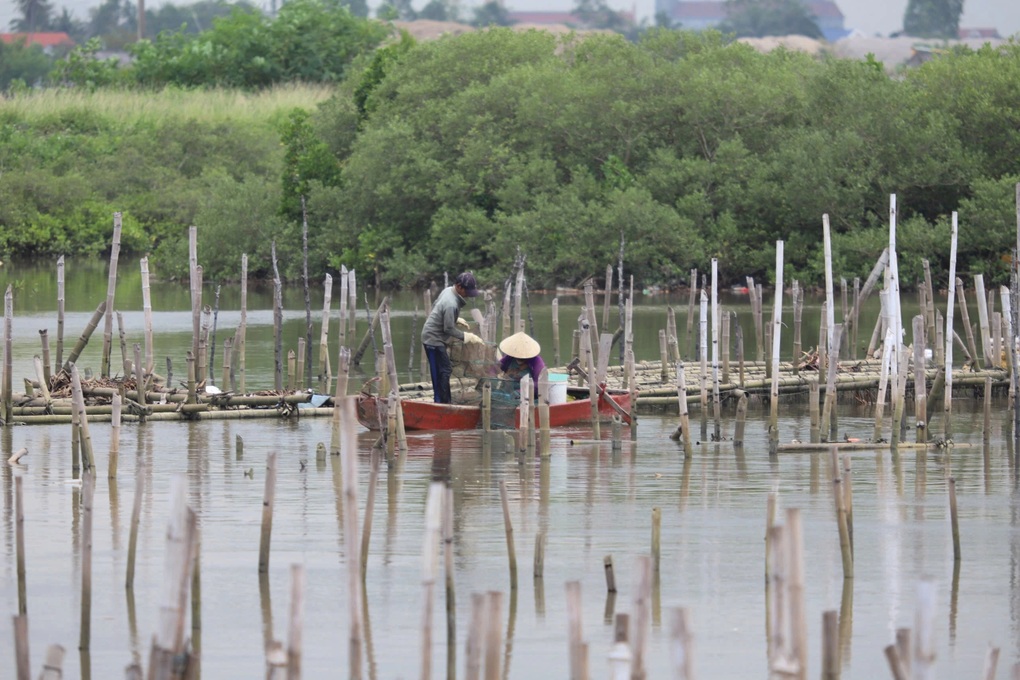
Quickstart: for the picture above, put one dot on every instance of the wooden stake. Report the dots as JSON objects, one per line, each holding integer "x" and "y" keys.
{"x": 777, "y": 325}
{"x": 6, "y": 392}
{"x": 114, "y": 438}
{"x": 955, "y": 520}
{"x": 692, "y": 289}
{"x": 656, "y": 538}
{"x": 243, "y": 327}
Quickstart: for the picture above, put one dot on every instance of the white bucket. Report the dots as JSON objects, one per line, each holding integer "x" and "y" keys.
{"x": 558, "y": 388}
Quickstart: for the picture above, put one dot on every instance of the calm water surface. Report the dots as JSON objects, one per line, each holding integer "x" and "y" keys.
{"x": 590, "y": 502}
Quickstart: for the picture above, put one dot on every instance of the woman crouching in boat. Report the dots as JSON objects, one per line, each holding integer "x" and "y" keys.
{"x": 521, "y": 358}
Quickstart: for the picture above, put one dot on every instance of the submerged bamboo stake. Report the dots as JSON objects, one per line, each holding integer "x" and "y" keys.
{"x": 508, "y": 526}
{"x": 343, "y": 371}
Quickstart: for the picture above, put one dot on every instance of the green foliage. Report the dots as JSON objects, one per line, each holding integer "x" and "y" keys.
{"x": 21, "y": 63}
{"x": 932, "y": 18}
{"x": 308, "y": 41}
{"x": 760, "y": 18}
{"x": 81, "y": 68}
{"x": 307, "y": 158}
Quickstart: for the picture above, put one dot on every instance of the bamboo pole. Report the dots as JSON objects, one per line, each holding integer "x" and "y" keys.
{"x": 575, "y": 633}
{"x": 352, "y": 302}
{"x": 277, "y": 323}
{"x": 366, "y": 530}
{"x": 44, "y": 340}
{"x": 60, "y": 314}
{"x": 703, "y": 348}
{"x": 83, "y": 340}
{"x": 242, "y": 330}
{"x": 955, "y": 520}
{"x": 136, "y": 514}
{"x": 370, "y": 333}
{"x": 6, "y": 392}
{"x": 114, "y": 437}
{"x": 656, "y": 538}
{"x": 727, "y": 318}
{"x": 88, "y": 486}
{"x": 716, "y": 404}
{"x": 947, "y": 404}
{"x": 111, "y": 288}
{"x": 556, "y": 330}
{"x": 589, "y": 313}
{"x": 738, "y": 430}
{"x": 430, "y": 559}
{"x": 887, "y": 351}
{"x": 268, "y": 496}
{"x": 539, "y": 561}
{"x": 508, "y": 526}
{"x": 448, "y": 570}
{"x": 589, "y": 362}
{"x": 920, "y": 384}
{"x": 391, "y": 365}
{"x": 40, "y": 368}
{"x": 795, "y": 590}
{"x": 983, "y": 320}
{"x": 641, "y": 618}
{"x": 685, "y": 423}
{"x": 693, "y": 291}
{"x": 797, "y": 301}
{"x": 19, "y": 542}
{"x": 519, "y": 292}
{"x": 965, "y": 320}
{"x": 168, "y": 657}
{"x": 349, "y": 465}
{"x": 607, "y": 294}
{"x": 842, "y": 519}
{"x": 543, "y": 412}
{"x": 88, "y": 461}
{"x": 777, "y": 324}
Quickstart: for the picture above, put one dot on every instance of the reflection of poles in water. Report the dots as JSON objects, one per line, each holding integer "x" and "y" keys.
{"x": 830, "y": 645}
{"x": 511, "y": 623}
{"x": 493, "y": 633}
{"x": 475, "y": 642}
{"x": 451, "y": 594}
{"x": 681, "y": 644}
{"x": 19, "y": 541}
{"x": 369, "y": 646}
{"x": 430, "y": 558}
{"x": 642, "y": 615}
{"x": 266, "y": 605}
{"x": 268, "y": 496}
{"x": 508, "y": 525}
{"x": 352, "y": 548}
{"x": 842, "y": 516}
{"x": 296, "y": 628}
{"x": 685, "y": 484}
{"x": 366, "y": 531}
{"x": 88, "y": 486}
{"x": 846, "y": 620}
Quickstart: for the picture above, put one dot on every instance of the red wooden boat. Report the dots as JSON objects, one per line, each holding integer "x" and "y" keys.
{"x": 424, "y": 414}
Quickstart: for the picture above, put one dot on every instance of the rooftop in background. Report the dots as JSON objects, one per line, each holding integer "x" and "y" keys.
{"x": 44, "y": 40}
{"x": 701, "y": 14}
{"x": 977, "y": 33}
{"x": 548, "y": 18}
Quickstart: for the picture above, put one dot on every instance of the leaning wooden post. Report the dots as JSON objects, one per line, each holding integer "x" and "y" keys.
{"x": 111, "y": 288}
{"x": 685, "y": 422}
{"x": 965, "y": 320}
{"x": 19, "y": 541}
{"x": 168, "y": 657}
{"x": 83, "y": 340}
{"x": 508, "y": 525}
{"x": 430, "y": 565}
{"x": 589, "y": 313}
{"x": 60, "y": 314}
{"x": 8, "y": 392}
{"x": 947, "y": 402}
{"x": 88, "y": 486}
{"x": 268, "y": 496}
{"x": 352, "y": 545}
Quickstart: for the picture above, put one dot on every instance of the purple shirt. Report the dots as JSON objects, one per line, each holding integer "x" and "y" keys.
{"x": 515, "y": 369}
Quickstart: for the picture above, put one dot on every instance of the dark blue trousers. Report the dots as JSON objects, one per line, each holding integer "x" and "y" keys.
{"x": 440, "y": 369}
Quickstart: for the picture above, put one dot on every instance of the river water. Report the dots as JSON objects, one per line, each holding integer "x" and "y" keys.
{"x": 589, "y": 501}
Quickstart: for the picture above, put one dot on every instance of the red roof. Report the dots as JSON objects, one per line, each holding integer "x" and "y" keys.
{"x": 41, "y": 39}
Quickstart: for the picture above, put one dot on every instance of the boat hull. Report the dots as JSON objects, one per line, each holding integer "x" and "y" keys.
{"x": 428, "y": 415}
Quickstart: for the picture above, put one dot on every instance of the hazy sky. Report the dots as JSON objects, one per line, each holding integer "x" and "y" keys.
{"x": 869, "y": 16}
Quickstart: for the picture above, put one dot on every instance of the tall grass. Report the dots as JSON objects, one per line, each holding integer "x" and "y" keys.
{"x": 132, "y": 107}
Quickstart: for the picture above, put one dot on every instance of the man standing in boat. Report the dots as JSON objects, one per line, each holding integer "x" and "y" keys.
{"x": 441, "y": 328}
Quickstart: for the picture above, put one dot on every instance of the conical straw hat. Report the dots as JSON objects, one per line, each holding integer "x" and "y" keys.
{"x": 520, "y": 346}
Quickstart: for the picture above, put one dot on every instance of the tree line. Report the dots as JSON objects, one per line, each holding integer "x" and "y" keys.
{"x": 453, "y": 154}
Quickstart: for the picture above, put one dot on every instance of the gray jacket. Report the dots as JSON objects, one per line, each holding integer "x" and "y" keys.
{"x": 441, "y": 325}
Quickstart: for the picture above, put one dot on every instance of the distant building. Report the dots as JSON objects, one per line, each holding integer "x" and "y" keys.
{"x": 965, "y": 33}
{"x": 50, "y": 42}
{"x": 699, "y": 15}
{"x": 551, "y": 18}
